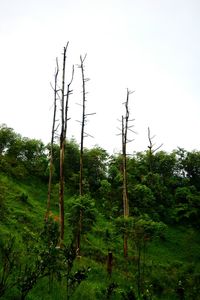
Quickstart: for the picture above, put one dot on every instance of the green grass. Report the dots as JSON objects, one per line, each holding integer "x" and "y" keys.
{"x": 24, "y": 206}
{"x": 180, "y": 244}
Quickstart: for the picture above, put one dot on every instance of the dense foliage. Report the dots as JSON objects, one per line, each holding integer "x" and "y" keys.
{"x": 164, "y": 198}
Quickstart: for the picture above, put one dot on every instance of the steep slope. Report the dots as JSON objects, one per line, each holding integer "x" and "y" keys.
{"x": 166, "y": 262}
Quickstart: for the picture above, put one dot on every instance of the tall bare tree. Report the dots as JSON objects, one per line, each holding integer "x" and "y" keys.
{"x": 82, "y": 123}
{"x": 125, "y": 140}
{"x": 55, "y": 89}
{"x": 83, "y": 134}
{"x": 64, "y": 99}
{"x": 152, "y": 150}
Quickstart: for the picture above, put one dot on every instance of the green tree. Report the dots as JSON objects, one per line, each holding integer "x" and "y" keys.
{"x": 71, "y": 165}
{"x": 7, "y": 136}
{"x": 8, "y": 264}
{"x": 10, "y": 146}
{"x": 192, "y": 168}
{"x": 33, "y": 155}
{"x": 142, "y": 200}
{"x": 22, "y": 157}
{"x": 94, "y": 168}
{"x": 187, "y": 206}
{"x": 115, "y": 179}
{"x": 87, "y": 206}
{"x": 140, "y": 230}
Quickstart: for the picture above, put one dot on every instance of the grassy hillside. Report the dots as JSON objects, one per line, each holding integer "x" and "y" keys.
{"x": 165, "y": 261}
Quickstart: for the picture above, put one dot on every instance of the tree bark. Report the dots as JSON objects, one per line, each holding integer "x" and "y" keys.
{"x": 82, "y": 126}
{"x": 62, "y": 149}
{"x": 81, "y": 153}
{"x": 52, "y": 141}
{"x": 151, "y": 150}
{"x": 64, "y": 119}
{"x": 125, "y": 120}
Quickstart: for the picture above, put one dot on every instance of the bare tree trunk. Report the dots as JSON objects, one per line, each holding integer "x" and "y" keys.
{"x": 62, "y": 148}
{"x": 151, "y": 150}
{"x": 125, "y": 128}
{"x": 61, "y": 192}
{"x": 83, "y": 134}
{"x": 82, "y": 125}
{"x": 81, "y": 153}
{"x": 124, "y": 158}
{"x": 64, "y": 119}
{"x": 125, "y": 194}
{"x": 52, "y": 141}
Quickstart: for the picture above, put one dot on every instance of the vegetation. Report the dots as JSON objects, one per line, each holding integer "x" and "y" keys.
{"x": 162, "y": 228}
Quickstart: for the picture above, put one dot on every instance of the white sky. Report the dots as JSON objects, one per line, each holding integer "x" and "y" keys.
{"x": 149, "y": 46}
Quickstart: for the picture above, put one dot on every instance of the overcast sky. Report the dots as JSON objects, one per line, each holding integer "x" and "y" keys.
{"x": 151, "y": 47}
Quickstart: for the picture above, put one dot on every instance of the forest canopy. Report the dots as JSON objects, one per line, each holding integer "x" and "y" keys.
{"x": 166, "y": 186}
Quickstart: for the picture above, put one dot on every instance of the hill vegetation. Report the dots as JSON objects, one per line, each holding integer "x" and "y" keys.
{"x": 162, "y": 228}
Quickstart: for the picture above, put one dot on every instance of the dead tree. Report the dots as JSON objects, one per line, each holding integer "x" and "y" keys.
{"x": 64, "y": 99}
{"x": 82, "y": 124}
{"x": 55, "y": 89}
{"x": 83, "y": 134}
{"x": 152, "y": 150}
{"x": 125, "y": 140}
